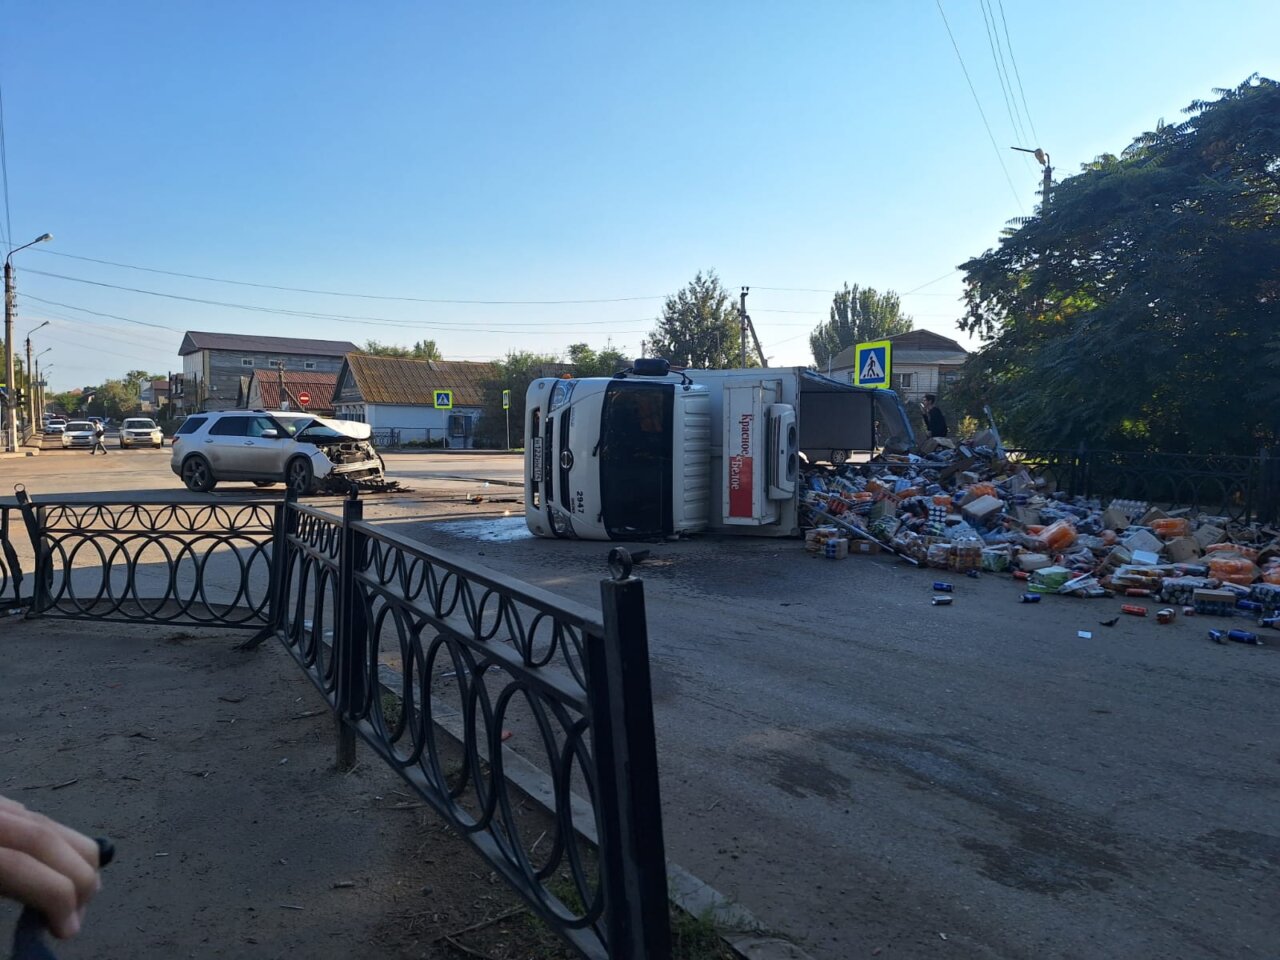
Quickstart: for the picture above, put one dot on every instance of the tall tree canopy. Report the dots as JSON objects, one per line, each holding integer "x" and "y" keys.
{"x": 699, "y": 327}
{"x": 858, "y": 314}
{"x": 1141, "y": 309}
{"x": 422, "y": 350}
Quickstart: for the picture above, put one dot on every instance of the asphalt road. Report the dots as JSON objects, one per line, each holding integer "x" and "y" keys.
{"x": 867, "y": 772}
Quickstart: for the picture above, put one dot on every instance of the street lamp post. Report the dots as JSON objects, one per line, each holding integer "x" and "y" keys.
{"x": 11, "y": 412}
{"x": 31, "y": 394}
{"x": 1047, "y": 183}
{"x": 40, "y": 386}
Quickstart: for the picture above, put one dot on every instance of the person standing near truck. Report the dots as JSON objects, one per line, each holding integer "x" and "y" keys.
{"x": 933, "y": 416}
{"x": 99, "y": 431}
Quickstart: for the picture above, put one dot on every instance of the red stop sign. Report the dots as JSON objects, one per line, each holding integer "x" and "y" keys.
{"x": 304, "y": 398}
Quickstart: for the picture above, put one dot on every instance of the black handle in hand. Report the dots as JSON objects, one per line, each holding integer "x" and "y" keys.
{"x": 28, "y": 938}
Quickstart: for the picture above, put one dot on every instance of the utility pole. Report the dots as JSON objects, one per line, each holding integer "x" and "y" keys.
{"x": 284, "y": 397}
{"x": 742, "y": 325}
{"x": 11, "y": 390}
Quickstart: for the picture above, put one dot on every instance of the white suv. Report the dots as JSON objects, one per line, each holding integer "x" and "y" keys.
{"x": 139, "y": 431}
{"x": 308, "y": 453}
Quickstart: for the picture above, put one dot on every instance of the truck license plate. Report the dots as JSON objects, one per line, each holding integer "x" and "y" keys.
{"x": 537, "y": 458}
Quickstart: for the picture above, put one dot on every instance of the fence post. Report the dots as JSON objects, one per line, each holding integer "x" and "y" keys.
{"x": 350, "y": 638}
{"x": 633, "y": 863}
{"x": 1269, "y": 482}
{"x": 278, "y": 586}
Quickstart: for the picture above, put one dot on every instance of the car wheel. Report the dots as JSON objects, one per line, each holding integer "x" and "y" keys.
{"x": 300, "y": 476}
{"x": 264, "y": 483}
{"x": 197, "y": 474}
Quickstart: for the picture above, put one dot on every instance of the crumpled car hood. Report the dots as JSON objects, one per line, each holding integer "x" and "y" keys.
{"x": 350, "y": 428}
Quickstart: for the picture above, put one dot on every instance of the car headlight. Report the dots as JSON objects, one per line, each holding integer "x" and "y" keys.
{"x": 561, "y": 524}
{"x": 560, "y": 394}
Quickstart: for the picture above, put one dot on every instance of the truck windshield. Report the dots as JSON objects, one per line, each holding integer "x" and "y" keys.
{"x": 635, "y": 458}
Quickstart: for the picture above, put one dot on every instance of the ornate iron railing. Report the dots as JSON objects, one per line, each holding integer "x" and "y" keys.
{"x": 191, "y": 564}
{"x": 1239, "y": 487}
{"x": 505, "y": 655}
{"x": 428, "y": 659}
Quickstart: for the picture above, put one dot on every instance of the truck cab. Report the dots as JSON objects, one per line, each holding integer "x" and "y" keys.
{"x": 617, "y": 458}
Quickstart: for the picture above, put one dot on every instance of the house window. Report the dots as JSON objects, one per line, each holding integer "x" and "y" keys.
{"x": 275, "y": 364}
{"x": 246, "y": 361}
{"x": 308, "y": 365}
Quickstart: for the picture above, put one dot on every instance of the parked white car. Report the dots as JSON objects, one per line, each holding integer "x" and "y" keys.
{"x": 78, "y": 433}
{"x": 140, "y": 432}
{"x": 306, "y": 452}
{"x": 55, "y": 426}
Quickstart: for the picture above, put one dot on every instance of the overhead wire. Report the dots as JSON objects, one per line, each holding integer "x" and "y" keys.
{"x": 1018, "y": 75}
{"x": 4, "y": 175}
{"x": 997, "y": 59}
{"x": 458, "y": 326}
{"x": 978, "y": 102}
{"x": 340, "y": 293}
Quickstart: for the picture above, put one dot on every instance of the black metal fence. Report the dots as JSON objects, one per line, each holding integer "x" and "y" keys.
{"x": 1242, "y": 488}
{"x": 430, "y": 660}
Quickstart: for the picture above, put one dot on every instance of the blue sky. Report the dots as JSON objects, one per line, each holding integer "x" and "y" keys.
{"x": 549, "y": 151}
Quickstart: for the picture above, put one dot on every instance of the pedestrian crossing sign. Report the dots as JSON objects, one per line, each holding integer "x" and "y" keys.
{"x": 444, "y": 399}
{"x": 872, "y": 362}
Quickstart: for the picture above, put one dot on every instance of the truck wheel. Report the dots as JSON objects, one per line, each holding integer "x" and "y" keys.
{"x": 838, "y": 457}
{"x": 197, "y": 474}
{"x": 300, "y": 477}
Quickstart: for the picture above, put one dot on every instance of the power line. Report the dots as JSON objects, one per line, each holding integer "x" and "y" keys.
{"x": 981, "y": 112}
{"x": 339, "y": 293}
{"x": 997, "y": 58}
{"x": 460, "y": 327}
{"x": 4, "y": 174}
{"x": 533, "y": 328}
{"x": 1017, "y": 74}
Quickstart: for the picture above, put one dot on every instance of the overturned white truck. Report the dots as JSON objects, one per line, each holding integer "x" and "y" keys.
{"x": 652, "y": 452}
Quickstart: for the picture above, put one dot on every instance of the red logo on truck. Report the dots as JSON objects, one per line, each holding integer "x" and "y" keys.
{"x": 741, "y": 471}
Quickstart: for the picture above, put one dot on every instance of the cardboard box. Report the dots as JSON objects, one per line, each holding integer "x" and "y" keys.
{"x": 1155, "y": 513}
{"x": 984, "y": 508}
{"x": 867, "y": 547}
{"x": 1207, "y": 535}
{"x": 1182, "y": 549}
{"x": 1114, "y": 519}
{"x": 1142, "y": 540}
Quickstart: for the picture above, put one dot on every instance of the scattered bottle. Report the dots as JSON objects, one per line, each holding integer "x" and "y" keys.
{"x": 1165, "y": 616}
{"x": 1133, "y": 610}
{"x": 942, "y": 601}
{"x": 1273, "y": 622}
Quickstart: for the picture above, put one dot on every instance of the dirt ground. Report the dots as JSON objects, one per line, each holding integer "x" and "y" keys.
{"x": 212, "y": 769}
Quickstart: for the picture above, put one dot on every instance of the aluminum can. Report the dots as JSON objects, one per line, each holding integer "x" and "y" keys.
{"x": 942, "y": 601}
{"x": 942, "y": 587}
{"x": 1134, "y": 610}
{"x": 1030, "y": 598}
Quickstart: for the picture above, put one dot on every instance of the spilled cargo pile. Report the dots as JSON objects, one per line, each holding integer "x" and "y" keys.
{"x": 966, "y": 509}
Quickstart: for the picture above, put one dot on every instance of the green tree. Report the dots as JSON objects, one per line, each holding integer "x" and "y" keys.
{"x": 513, "y": 373}
{"x": 586, "y": 362}
{"x": 115, "y": 398}
{"x": 858, "y": 314}
{"x": 699, "y": 327}
{"x": 422, "y": 350}
{"x": 1141, "y": 308}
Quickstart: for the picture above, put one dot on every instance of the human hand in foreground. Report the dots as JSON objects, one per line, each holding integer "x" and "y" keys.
{"x": 46, "y": 866}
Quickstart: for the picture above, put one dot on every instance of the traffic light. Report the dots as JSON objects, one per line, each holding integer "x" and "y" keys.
{"x": 20, "y": 396}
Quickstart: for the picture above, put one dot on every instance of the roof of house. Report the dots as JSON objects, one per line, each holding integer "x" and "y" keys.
{"x": 249, "y": 343}
{"x": 394, "y": 380}
{"x": 913, "y": 347}
{"x": 319, "y": 385}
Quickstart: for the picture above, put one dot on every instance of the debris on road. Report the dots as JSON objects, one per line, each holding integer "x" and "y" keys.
{"x": 966, "y": 508}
